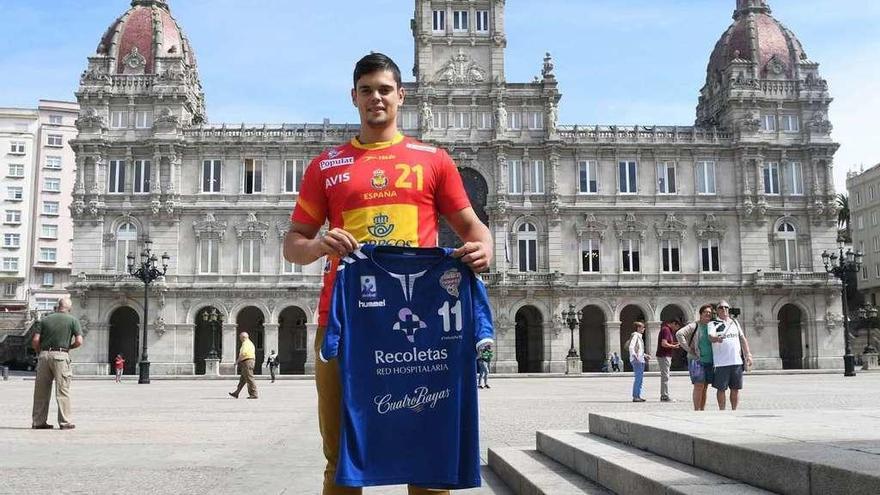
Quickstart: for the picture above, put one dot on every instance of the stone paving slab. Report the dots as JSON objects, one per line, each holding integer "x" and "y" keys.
{"x": 186, "y": 436}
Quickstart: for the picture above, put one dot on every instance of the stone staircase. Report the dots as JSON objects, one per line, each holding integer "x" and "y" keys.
{"x": 687, "y": 453}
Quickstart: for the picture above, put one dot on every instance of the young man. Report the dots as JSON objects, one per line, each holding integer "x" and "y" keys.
{"x": 729, "y": 345}
{"x": 54, "y": 336}
{"x": 666, "y": 347}
{"x": 380, "y": 188}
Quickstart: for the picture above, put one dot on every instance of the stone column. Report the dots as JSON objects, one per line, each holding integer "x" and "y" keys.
{"x": 270, "y": 338}
{"x": 311, "y": 353}
{"x": 228, "y": 337}
{"x": 155, "y": 174}
{"x": 829, "y": 177}
{"x": 612, "y": 340}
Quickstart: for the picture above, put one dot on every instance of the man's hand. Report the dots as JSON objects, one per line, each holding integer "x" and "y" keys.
{"x": 337, "y": 242}
{"x": 475, "y": 255}
{"x": 749, "y": 362}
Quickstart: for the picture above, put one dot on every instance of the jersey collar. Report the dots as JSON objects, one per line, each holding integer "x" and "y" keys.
{"x": 378, "y": 145}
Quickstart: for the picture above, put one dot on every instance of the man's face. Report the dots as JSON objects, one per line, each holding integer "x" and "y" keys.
{"x": 377, "y": 97}
{"x": 723, "y": 312}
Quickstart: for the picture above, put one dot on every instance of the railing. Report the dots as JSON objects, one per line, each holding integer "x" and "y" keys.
{"x": 641, "y": 134}
{"x": 267, "y": 132}
{"x": 133, "y": 81}
{"x": 776, "y": 277}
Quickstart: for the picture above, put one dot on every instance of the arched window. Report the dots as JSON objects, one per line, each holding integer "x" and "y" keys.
{"x": 786, "y": 247}
{"x": 126, "y": 242}
{"x": 527, "y": 244}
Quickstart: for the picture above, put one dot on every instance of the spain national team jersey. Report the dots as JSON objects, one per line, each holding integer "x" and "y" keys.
{"x": 387, "y": 193}
{"x": 405, "y": 325}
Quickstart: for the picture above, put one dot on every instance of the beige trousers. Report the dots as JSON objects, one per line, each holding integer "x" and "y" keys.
{"x": 246, "y": 372}
{"x": 329, "y": 387}
{"x": 52, "y": 366}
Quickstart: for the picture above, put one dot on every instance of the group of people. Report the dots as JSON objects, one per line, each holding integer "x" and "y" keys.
{"x": 717, "y": 350}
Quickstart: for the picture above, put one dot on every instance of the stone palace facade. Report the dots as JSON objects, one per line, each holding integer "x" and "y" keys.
{"x": 624, "y": 222}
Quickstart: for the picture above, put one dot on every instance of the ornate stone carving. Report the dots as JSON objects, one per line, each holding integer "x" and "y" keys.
{"x": 500, "y": 118}
{"x": 711, "y": 227}
{"x": 155, "y": 206}
{"x": 751, "y": 123}
{"x": 461, "y": 70}
{"x": 89, "y": 118}
{"x": 426, "y": 117}
{"x": 547, "y": 69}
{"x": 776, "y": 66}
{"x": 552, "y": 118}
{"x": 166, "y": 120}
{"x": 629, "y": 227}
{"x": 758, "y": 323}
{"x": 159, "y": 325}
{"x": 833, "y": 321}
{"x": 134, "y": 62}
{"x": 820, "y": 123}
{"x": 185, "y": 304}
{"x": 591, "y": 227}
{"x": 252, "y": 228}
{"x": 671, "y": 227}
{"x": 209, "y": 227}
{"x": 282, "y": 228}
{"x": 84, "y": 324}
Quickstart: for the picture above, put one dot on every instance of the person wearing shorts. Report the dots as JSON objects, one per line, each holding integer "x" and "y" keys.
{"x": 729, "y": 346}
{"x": 694, "y": 338}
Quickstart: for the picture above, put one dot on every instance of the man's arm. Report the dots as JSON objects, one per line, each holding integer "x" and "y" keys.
{"x": 77, "y": 341}
{"x": 478, "y": 248}
{"x": 35, "y": 342}
{"x": 302, "y": 247}
{"x": 744, "y": 343}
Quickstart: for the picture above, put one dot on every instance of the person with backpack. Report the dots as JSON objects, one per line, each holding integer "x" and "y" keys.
{"x": 483, "y": 360}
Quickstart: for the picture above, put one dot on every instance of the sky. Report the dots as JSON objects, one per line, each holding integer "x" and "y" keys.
{"x": 619, "y": 62}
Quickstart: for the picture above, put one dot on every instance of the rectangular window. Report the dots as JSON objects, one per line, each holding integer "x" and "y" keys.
{"x": 54, "y": 140}
{"x": 142, "y": 176}
{"x": 771, "y": 178}
{"x": 439, "y": 21}
{"x": 536, "y": 120}
{"x": 876, "y": 241}
{"x": 860, "y": 222}
{"x": 55, "y": 119}
{"x": 709, "y": 255}
{"x": 877, "y": 269}
{"x": 864, "y": 273}
{"x": 116, "y": 176}
{"x": 48, "y": 255}
{"x": 705, "y": 177}
{"x": 48, "y": 279}
{"x": 514, "y": 177}
{"x": 118, "y": 119}
{"x": 629, "y": 251}
{"x": 252, "y": 176}
{"x": 858, "y": 198}
{"x": 46, "y": 304}
{"x": 143, "y": 119}
{"x": 11, "y": 240}
{"x": 666, "y": 178}
{"x": 409, "y": 120}
{"x": 250, "y": 256}
{"x": 52, "y": 184}
{"x": 482, "y": 21}
{"x": 49, "y": 231}
{"x": 514, "y": 122}
{"x": 768, "y": 123}
{"x": 441, "y": 120}
{"x": 484, "y": 120}
{"x": 14, "y": 193}
{"x": 873, "y": 218}
{"x": 871, "y": 193}
{"x": 669, "y": 253}
{"x": 16, "y": 148}
{"x": 209, "y": 256}
{"x": 460, "y": 21}
{"x": 461, "y": 120}
{"x": 795, "y": 179}
{"x": 537, "y": 177}
{"x": 50, "y": 207}
{"x": 590, "y": 255}
{"x": 53, "y": 162}
{"x": 10, "y": 290}
{"x": 211, "y": 176}
{"x": 15, "y": 170}
{"x": 288, "y": 267}
{"x": 627, "y": 172}
{"x": 528, "y": 255}
{"x": 10, "y": 264}
{"x": 790, "y": 123}
{"x": 293, "y": 175}
{"x": 588, "y": 178}
{"x": 13, "y": 216}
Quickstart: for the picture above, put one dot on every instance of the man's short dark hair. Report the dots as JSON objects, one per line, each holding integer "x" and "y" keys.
{"x": 376, "y": 62}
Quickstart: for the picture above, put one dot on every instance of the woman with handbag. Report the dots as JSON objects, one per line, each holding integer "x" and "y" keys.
{"x": 694, "y": 338}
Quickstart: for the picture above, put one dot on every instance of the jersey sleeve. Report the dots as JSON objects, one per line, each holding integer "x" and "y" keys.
{"x": 311, "y": 205}
{"x": 450, "y": 196}
{"x": 335, "y": 318}
{"x": 484, "y": 330}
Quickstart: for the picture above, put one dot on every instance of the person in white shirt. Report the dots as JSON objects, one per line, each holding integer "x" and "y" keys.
{"x": 729, "y": 347}
{"x": 637, "y": 359}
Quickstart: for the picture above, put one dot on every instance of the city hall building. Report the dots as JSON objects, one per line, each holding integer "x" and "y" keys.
{"x": 626, "y": 223}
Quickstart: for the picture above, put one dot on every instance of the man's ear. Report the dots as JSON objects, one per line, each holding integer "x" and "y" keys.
{"x": 402, "y": 95}
{"x": 354, "y": 97}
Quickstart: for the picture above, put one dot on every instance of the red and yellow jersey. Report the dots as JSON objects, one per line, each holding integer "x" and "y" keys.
{"x": 387, "y": 193}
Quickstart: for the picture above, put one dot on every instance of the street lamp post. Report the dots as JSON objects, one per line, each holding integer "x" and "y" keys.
{"x": 213, "y": 319}
{"x": 572, "y": 319}
{"x": 840, "y": 265}
{"x": 147, "y": 272}
{"x": 871, "y": 315}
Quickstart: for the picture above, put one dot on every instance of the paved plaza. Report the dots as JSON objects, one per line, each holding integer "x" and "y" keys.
{"x": 188, "y": 436}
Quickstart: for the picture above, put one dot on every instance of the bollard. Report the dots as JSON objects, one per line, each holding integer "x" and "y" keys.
{"x": 4, "y": 370}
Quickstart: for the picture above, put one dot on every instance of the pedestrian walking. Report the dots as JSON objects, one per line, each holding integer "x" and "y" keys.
{"x": 666, "y": 347}
{"x": 483, "y": 361}
{"x": 729, "y": 346}
{"x": 638, "y": 359}
{"x": 119, "y": 366}
{"x": 694, "y": 338}
{"x": 273, "y": 364}
{"x": 247, "y": 355}
{"x": 54, "y": 336}
{"x": 615, "y": 362}
{"x": 428, "y": 187}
